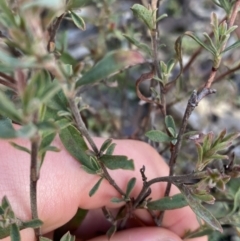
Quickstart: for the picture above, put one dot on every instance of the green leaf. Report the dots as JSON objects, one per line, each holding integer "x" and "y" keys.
{"x": 66, "y": 58}
{"x": 68, "y": 237}
{"x": 7, "y": 109}
{"x": 34, "y": 223}
{"x": 201, "y": 231}
{"x": 200, "y": 156}
{"x": 110, "y": 149}
{"x": 168, "y": 203}
{"x": 144, "y": 47}
{"x": 143, "y": 14}
{"x": 170, "y": 65}
{"x": 117, "y": 162}
{"x": 75, "y": 145}
{"x": 78, "y": 21}
{"x": 231, "y": 137}
{"x": 190, "y": 34}
{"x": 19, "y": 147}
{"x": 170, "y": 123}
{"x": 158, "y": 136}
{"x": 45, "y": 239}
{"x": 46, "y": 141}
{"x": 199, "y": 210}
{"x": 7, "y": 207}
{"x": 7, "y": 131}
{"x": 59, "y": 102}
{"x": 112, "y": 63}
{"x": 210, "y": 42}
{"x": 207, "y": 142}
{"x": 105, "y": 145}
{"x": 161, "y": 17}
{"x": 76, "y": 4}
{"x": 88, "y": 170}
{"x": 130, "y": 186}
{"x": 7, "y": 13}
{"x": 172, "y": 132}
{"x": 95, "y": 187}
{"x": 14, "y": 232}
{"x": 111, "y": 231}
{"x": 236, "y": 203}
{"x": 40, "y": 90}
{"x": 117, "y": 200}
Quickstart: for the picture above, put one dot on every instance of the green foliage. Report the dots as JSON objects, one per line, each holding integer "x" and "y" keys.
{"x": 210, "y": 148}
{"x": 76, "y": 4}
{"x": 10, "y": 225}
{"x": 168, "y": 203}
{"x": 68, "y": 237}
{"x": 117, "y": 162}
{"x": 79, "y": 22}
{"x": 95, "y": 187}
{"x": 111, "y": 231}
{"x": 144, "y": 47}
{"x": 200, "y": 210}
{"x": 158, "y": 136}
{"x": 112, "y": 63}
{"x": 145, "y": 15}
{"x": 40, "y": 80}
{"x": 75, "y": 145}
{"x": 130, "y": 186}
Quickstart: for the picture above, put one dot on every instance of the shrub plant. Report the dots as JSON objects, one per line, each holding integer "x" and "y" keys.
{"x": 42, "y": 89}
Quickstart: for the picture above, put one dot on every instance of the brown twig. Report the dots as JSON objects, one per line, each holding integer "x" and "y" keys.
{"x": 169, "y": 179}
{"x": 7, "y": 77}
{"x": 192, "y": 103}
{"x": 53, "y": 28}
{"x": 155, "y": 33}
{"x": 82, "y": 128}
{"x": 10, "y": 85}
{"x": 34, "y": 176}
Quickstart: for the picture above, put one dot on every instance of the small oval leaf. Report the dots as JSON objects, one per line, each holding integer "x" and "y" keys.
{"x": 158, "y": 136}
{"x": 95, "y": 187}
{"x": 130, "y": 186}
{"x": 111, "y": 64}
{"x": 68, "y": 237}
{"x": 110, "y": 149}
{"x": 14, "y": 232}
{"x": 78, "y": 21}
{"x": 143, "y": 14}
{"x": 75, "y": 145}
{"x": 111, "y": 232}
{"x": 105, "y": 145}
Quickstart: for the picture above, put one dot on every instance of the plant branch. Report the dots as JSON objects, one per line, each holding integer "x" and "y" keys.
{"x": 193, "y": 101}
{"x": 82, "y": 128}
{"x": 231, "y": 21}
{"x": 197, "y": 52}
{"x": 34, "y": 176}
{"x": 6, "y": 83}
{"x": 7, "y": 77}
{"x": 53, "y": 28}
{"x": 169, "y": 179}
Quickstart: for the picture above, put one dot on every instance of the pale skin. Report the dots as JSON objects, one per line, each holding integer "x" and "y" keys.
{"x": 64, "y": 186}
